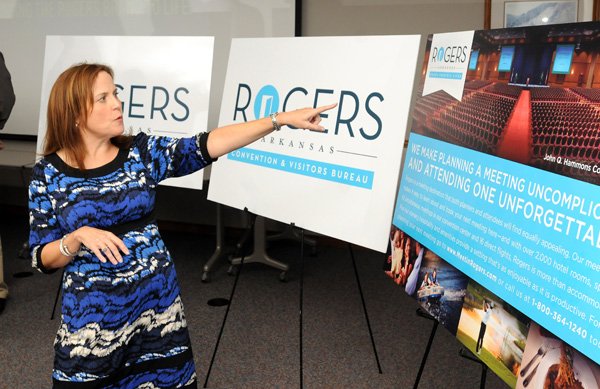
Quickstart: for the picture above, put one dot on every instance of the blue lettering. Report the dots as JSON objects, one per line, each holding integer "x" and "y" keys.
{"x": 120, "y": 88}
{"x": 287, "y": 97}
{"x": 346, "y": 121}
{"x": 316, "y": 103}
{"x": 161, "y": 108}
{"x": 132, "y": 104}
{"x": 374, "y": 116}
{"x": 294, "y": 90}
{"x": 182, "y": 104}
{"x": 298, "y": 96}
{"x": 237, "y": 101}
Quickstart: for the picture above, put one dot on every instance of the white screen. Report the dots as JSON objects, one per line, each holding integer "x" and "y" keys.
{"x": 24, "y": 25}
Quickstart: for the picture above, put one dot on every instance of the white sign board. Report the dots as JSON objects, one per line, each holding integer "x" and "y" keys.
{"x": 448, "y": 63}
{"x": 341, "y": 183}
{"x": 164, "y": 82}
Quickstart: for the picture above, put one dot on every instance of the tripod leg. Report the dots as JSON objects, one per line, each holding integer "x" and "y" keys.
{"x": 465, "y": 353}
{"x": 362, "y": 299}
{"x": 424, "y": 314}
{"x": 484, "y": 369}
{"x": 57, "y": 294}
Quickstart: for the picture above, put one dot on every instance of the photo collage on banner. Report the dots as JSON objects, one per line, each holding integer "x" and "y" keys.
{"x": 496, "y": 229}
{"x": 341, "y": 182}
{"x": 163, "y": 82}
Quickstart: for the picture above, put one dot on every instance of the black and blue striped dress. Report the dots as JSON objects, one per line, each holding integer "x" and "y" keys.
{"x": 122, "y": 326}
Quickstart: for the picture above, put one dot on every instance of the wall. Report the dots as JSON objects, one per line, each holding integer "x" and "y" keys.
{"x": 391, "y": 17}
{"x": 24, "y": 25}
{"x": 319, "y": 18}
{"x": 373, "y": 17}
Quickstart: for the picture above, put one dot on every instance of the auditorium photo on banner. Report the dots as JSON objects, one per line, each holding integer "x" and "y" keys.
{"x": 500, "y": 190}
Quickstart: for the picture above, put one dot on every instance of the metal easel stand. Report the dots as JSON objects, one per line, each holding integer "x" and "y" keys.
{"x": 291, "y": 233}
{"x": 58, "y": 290}
{"x": 301, "y": 306}
{"x": 422, "y": 313}
{"x": 232, "y": 294}
{"x": 469, "y": 355}
{"x": 362, "y": 299}
{"x": 220, "y": 250}
{"x": 259, "y": 255}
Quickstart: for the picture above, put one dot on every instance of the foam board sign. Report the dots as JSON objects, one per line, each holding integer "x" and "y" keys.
{"x": 497, "y": 220}
{"x": 341, "y": 182}
{"x": 163, "y": 82}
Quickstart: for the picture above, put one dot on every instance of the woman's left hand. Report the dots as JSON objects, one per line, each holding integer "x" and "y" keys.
{"x": 305, "y": 118}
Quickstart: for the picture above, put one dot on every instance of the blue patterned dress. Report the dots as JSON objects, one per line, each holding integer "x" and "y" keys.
{"x": 122, "y": 326}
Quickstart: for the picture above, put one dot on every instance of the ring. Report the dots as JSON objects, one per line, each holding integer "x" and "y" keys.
{"x": 104, "y": 249}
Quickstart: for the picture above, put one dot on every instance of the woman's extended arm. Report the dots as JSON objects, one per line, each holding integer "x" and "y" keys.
{"x": 222, "y": 140}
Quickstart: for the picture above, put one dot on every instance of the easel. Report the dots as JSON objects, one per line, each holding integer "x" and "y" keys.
{"x": 220, "y": 250}
{"x": 421, "y": 312}
{"x": 469, "y": 355}
{"x": 291, "y": 233}
{"x": 462, "y": 352}
{"x": 237, "y": 276}
{"x": 362, "y": 299}
{"x": 259, "y": 255}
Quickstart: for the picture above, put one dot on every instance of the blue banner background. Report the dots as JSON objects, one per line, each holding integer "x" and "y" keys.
{"x": 535, "y": 268}
{"x": 325, "y": 171}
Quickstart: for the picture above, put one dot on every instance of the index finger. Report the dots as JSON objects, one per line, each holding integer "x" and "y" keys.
{"x": 324, "y": 108}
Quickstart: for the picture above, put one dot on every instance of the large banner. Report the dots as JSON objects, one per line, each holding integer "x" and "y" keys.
{"x": 163, "y": 82}
{"x": 497, "y": 220}
{"x": 341, "y": 182}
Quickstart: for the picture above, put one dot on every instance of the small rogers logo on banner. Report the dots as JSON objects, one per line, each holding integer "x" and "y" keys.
{"x": 448, "y": 63}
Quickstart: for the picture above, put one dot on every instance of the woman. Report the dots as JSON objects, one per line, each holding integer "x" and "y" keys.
{"x": 411, "y": 281}
{"x": 406, "y": 265}
{"x": 91, "y": 203}
{"x": 397, "y": 241}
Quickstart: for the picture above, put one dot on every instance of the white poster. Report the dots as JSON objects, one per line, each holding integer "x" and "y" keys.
{"x": 163, "y": 82}
{"x": 341, "y": 183}
{"x": 448, "y": 63}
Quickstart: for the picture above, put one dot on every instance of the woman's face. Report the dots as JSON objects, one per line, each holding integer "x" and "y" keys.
{"x": 105, "y": 119}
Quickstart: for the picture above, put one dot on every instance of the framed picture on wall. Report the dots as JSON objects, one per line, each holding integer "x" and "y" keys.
{"x": 536, "y": 13}
{"x": 519, "y": 13}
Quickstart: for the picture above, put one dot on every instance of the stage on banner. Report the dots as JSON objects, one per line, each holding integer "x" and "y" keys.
{"x": 163, "y": 82}
{"x": 341, "y": 182}
{"x": 496, "y": 229}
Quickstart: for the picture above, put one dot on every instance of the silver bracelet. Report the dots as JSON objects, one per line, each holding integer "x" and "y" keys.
{"x": 64, "y": 249}
{"x": 276, "y": 124}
